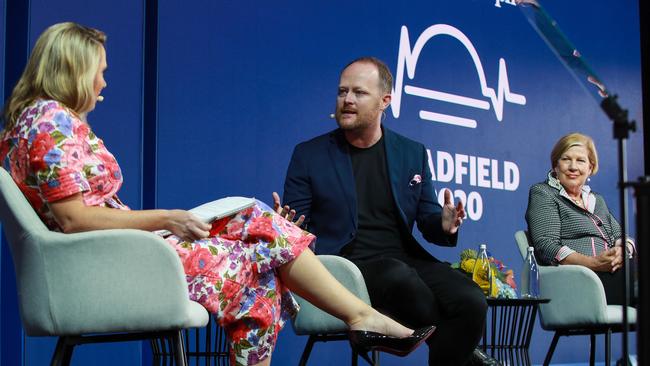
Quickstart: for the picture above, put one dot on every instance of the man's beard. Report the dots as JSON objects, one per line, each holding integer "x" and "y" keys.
{"x": 359, "y": 123}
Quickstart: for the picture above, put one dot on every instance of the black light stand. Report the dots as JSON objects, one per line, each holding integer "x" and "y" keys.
{"x": 642, "y": 194}
{"x": 622, "y": 128}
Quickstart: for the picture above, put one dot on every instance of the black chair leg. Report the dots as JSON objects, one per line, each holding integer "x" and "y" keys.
{"x": 551, "y": 349}
{"x": 179, "y": 349}
{"x": 608, "y": 347}
{"x": 592, "y": 349}
{"x": 307, "y": 351}
{"x": 62, "y": 353}
{"x": 67, "y": 358}
{"x": 58, "y": 352}
{"x": 372, "y": 360}
{"x": 153, "y": 343}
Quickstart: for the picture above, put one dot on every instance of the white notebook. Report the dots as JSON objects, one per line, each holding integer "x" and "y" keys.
{"x": 217, "y": 209}
{"x": 223, "y": 207}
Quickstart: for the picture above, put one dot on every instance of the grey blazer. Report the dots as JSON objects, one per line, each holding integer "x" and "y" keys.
{"x": 559, "y": 227}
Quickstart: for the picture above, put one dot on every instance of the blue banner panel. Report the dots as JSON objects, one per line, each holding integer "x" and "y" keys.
{"x": 240, "y": 83}
{"x": 2, "y": 98}
{"x": 2, "y": 49}
{"x": 13, "y": 38}
{"x": 118, "y": 119}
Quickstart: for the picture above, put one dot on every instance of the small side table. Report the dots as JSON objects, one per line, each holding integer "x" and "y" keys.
{"x": 508, "y": 328}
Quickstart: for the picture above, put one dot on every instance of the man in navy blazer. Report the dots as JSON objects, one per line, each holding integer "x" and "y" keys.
{"x": 360, "y": 189}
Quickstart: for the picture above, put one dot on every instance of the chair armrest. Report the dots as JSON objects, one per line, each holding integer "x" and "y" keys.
{"x": 96, "y": 277}
{"x": 577, "y": 297}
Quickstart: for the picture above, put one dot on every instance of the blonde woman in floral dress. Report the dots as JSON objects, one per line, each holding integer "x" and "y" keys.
{"x": 240, "y": 269}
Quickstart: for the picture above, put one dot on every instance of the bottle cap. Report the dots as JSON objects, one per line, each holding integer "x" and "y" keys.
{"x": 531, "y": 249}
{"x": 482, "y": 246}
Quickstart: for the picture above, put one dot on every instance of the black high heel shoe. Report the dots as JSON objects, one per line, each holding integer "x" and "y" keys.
{"x": 363, "y": 341}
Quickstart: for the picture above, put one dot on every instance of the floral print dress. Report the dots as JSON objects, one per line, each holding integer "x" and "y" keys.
{"x": 52, "y": 154}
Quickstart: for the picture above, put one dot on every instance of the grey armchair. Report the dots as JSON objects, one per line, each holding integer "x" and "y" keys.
{"x": 321, "y": 326}
{"x": 578, "y": 305}
{"x": 93, "y": 287}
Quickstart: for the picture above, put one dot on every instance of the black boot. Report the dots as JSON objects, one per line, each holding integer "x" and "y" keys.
{"x": 480, "y": 358}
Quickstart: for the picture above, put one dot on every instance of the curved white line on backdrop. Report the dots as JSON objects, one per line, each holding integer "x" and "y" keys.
{"x": 409, "y": 57}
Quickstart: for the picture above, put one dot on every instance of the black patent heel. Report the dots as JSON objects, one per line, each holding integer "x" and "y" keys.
{"x": 363, "y": 342}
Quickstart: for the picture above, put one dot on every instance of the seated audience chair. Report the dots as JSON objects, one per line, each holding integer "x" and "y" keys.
{"x": 321, "y": 326}
{"x": 578, "y": 305}
{"x": 97, "y": 286}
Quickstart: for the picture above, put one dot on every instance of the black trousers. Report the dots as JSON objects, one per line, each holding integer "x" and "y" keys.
{"x": 423, "y": 291}
{"x": 614, "y": 289}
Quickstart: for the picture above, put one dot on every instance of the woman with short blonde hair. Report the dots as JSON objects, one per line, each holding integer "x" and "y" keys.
{"x": 575, "y": 139}
{"x": 62, "y": 67}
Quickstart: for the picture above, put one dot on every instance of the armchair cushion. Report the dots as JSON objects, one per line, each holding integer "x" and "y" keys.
{"x": 96, "y": 277}
{"x": 615, "y": 314}
{"x": 577, "y": 296}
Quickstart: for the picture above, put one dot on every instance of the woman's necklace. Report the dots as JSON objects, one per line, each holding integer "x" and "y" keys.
{"x": 578, "y": 201}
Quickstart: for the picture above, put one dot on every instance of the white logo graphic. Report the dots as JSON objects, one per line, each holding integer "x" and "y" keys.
{"x": 409, "y": 57}
{"x": 509, "y": 2}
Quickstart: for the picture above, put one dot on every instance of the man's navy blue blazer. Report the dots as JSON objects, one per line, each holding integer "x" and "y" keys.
{"x": 320, "y": 185}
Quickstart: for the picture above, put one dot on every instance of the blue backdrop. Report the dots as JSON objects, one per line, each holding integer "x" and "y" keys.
{"x": 240, "y": 83}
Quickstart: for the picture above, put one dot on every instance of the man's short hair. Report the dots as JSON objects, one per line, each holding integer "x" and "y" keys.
{"x": 385, "y": 76}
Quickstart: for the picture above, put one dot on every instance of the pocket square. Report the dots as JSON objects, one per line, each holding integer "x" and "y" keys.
{"x": 417, "y": 179}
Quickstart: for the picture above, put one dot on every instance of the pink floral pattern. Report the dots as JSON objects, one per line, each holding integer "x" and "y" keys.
{"x": 52, "y": 154}
{"x": 233, "y": 275}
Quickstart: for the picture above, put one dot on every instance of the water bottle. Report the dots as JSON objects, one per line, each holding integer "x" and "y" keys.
{"x": 482, "y": 273}
{"x": 530, "y": 276}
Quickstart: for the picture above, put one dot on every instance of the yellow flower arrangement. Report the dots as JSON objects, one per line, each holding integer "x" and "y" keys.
{"x": 502, "y": 280}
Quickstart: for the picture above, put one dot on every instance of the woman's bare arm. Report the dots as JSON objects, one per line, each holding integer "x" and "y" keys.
{"x": 73, "y": 215}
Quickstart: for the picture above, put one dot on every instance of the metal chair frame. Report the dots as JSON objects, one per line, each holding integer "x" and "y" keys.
{"x": 329, "y": 338}
{"x": 592, "y": 333}
{"x": 66, "y": 344}
{"x": 202, "y": 346}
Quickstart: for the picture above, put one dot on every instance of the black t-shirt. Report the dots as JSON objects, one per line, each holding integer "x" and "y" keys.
{"x": 378, "y": 230}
